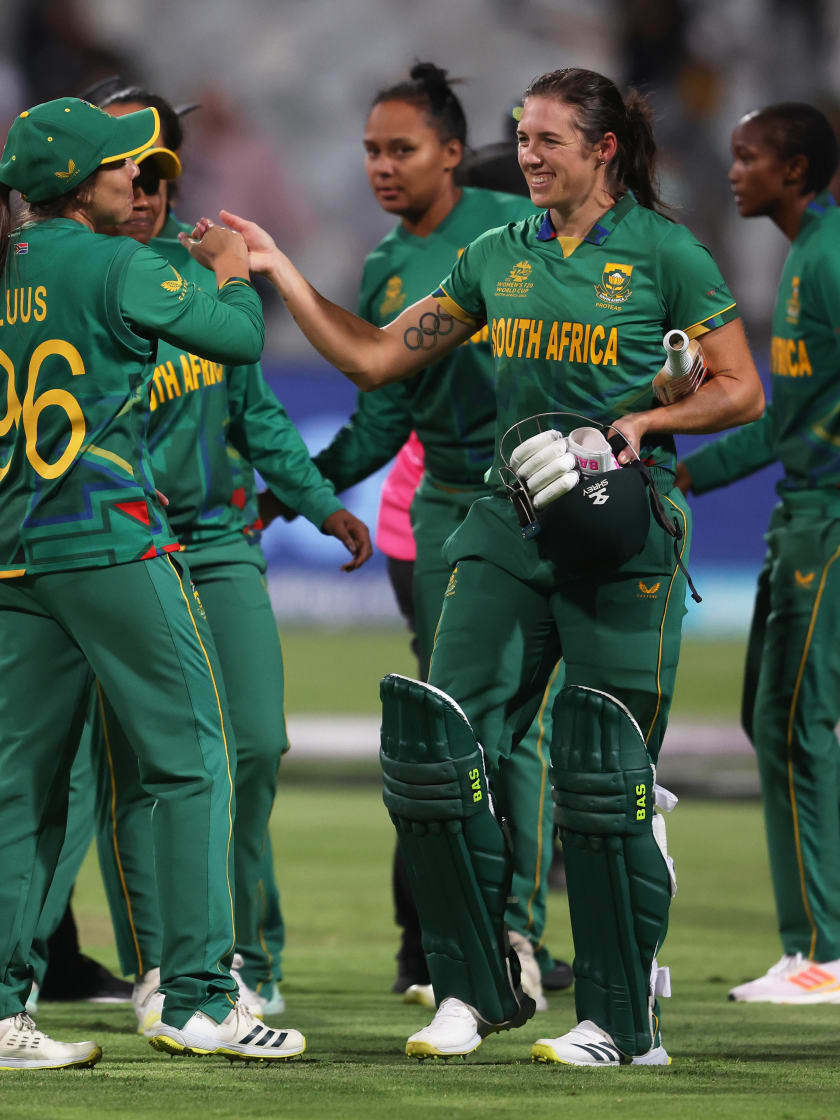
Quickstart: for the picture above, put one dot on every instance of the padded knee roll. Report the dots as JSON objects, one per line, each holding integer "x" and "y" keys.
{"x": 618, "y": 879}
{"x": 435, "y": 789}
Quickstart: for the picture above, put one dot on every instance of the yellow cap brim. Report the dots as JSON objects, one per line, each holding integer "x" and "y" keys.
{"x": 167, "y": 161}
{"x": 133, "y": 134}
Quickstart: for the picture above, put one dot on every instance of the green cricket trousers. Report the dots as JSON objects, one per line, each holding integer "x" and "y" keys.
{"x": 137, "y": 628}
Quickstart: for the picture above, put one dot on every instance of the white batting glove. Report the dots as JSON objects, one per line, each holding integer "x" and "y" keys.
{"x": 592, "y": 451}
{"x": 545, "y": 466}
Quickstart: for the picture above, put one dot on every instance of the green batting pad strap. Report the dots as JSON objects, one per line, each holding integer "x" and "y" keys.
{"x": 618, "y": 881}
{"x": 426, "y": 791}
{"x": 604, "y": 804}
{"x": 455, "y": 854}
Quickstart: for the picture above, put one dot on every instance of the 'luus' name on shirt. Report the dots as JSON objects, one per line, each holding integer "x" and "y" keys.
{"x": 196, "y": 373}
{"x": 23, "y": 304}
{"x": 565, "y": 341}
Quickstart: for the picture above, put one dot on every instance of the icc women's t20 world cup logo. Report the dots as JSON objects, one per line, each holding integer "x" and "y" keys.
{"x": 614, "y": 288}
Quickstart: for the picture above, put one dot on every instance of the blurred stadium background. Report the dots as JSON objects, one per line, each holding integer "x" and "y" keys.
{"x": 284, "y": 87}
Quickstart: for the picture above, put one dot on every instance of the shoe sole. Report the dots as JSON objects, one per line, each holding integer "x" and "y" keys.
{"x": 174, "y": 1047}
{"x": 793, "y": 1001}
{"x": 424, "y": 1050}
{"x": 34, "y": 1063}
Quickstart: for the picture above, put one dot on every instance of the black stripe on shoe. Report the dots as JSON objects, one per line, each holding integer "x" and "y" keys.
{"x": 600, "y": 1052}
{"x": 281, "y": 1038}
{"x": 252, "y": 1035}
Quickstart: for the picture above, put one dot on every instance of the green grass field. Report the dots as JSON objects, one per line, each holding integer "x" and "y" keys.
{"x": 340, "y": 670}
{"x": 730, "y": 1061}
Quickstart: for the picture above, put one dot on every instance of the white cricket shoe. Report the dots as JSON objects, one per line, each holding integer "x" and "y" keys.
{"x": 422, "y": 994}
{"x": 147, "y": 1001}
{"x": 239, "y": 1037}
{"x": 531, "y": 977}
{"x": 257, "y": 1004}
{"x": 454, "y": 1031}
{"x": 22, "y": 1046}
{"x": 588, "y": 1045}
{"x": 793, "y": 979}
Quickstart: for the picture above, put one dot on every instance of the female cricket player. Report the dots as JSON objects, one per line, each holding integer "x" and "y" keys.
{"x": 93, "y": 583}
{"x": 576, "y": 299}
{"x": 783, "y": 157}
{"x": 414, "y": 139}
{"x": 209, "y": 425}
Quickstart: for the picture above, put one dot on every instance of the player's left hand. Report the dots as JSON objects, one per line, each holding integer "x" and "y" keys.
{"x": 545, "y": 466}
{"x": 353, "y": 534}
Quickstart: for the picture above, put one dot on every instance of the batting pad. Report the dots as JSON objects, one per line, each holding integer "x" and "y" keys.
{"x": 618, "y": 879}
{"x": 435, "y": 789}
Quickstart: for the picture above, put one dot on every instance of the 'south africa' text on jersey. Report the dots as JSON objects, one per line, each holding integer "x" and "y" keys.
{"x": 566, "y": 341}
{"x": 195, "y": 372}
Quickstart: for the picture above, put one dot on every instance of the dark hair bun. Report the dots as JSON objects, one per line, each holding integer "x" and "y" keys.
{"x": 430, "y": 89}
{"x": 429, "y": 75}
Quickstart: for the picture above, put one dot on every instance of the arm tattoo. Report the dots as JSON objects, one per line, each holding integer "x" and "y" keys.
{"x": 432, "y": 324}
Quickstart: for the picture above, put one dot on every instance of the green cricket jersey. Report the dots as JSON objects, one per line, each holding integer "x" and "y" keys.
{"x": 801, "y": 426}
{"x": 577, "y": 325}
{"x": 211, "y": 425}
{"x": 80, "y": 322}
{"x": 451, "y": 404}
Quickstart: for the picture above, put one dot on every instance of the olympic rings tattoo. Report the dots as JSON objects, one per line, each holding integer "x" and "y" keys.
{"x": 432, "y": 324}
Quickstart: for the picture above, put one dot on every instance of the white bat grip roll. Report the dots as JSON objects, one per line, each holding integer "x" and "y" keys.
{"x": 677, "y": 355}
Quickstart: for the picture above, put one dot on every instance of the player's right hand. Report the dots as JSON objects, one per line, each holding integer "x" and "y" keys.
{"x": 262, "y": 249}
{"x": 545, "y": 466}
{"x": 217, "y": 248}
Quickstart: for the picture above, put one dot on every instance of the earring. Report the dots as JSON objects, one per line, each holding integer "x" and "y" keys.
{"x": 601, "y": 162}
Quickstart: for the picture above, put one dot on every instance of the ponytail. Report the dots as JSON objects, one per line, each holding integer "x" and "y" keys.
{"x": 636, "y": 160}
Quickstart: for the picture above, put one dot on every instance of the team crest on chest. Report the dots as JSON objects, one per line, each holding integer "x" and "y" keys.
{"x": 394, "y": 296}
{"x": 794, "y": 307}
{"x": 614, "y": 288}
{"x": 518, "y": 281}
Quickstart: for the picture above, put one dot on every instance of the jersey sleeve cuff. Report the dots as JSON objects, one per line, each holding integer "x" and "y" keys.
{"x": 236, "y": 280}
{"x": 718, "y": 319}
{"x": 455, "y": 310}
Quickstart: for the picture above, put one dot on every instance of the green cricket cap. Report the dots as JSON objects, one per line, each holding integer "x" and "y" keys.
{"x": 54, "y": 146}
